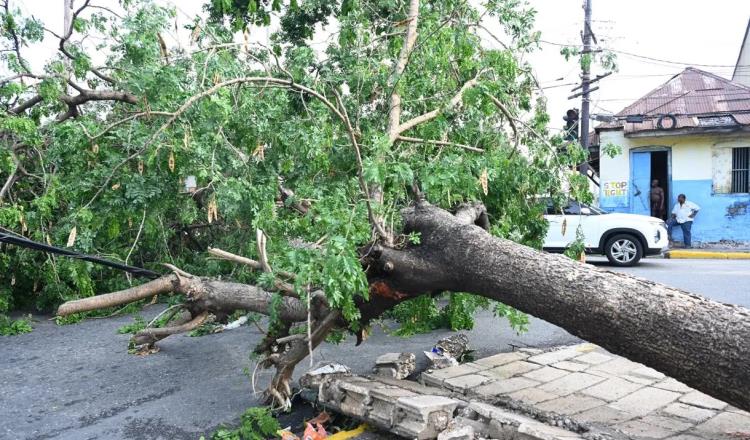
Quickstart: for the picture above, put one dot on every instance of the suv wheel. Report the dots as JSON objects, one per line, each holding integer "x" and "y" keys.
{"x": 623, "y": 250}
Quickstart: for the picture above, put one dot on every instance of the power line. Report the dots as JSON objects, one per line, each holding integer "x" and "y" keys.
{"x": 651, "y": 58}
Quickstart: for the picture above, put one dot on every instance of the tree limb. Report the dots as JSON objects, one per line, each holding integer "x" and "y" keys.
{"x": 434, "y": 142}
{"x": 9, "y": 183}
{"x": 426, "y": 117}
{"x": 394, "y": 111}
{"x": 510, "y": 118}
{"x": 151, "y": 335}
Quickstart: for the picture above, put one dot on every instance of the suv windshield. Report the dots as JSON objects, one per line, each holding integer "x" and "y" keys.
{"x": 573, "y": 208}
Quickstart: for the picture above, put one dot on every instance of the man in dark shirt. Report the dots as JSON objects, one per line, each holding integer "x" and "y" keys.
{"x": 657, "y": 199}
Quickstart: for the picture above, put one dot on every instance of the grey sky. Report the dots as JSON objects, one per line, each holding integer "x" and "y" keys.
{"x": 686, "y": 31}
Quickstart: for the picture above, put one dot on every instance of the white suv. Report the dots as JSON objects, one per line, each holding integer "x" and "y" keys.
{"x": 623, "y": 238}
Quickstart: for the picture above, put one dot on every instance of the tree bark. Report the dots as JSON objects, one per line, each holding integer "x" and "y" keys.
{"x": 700, "y": 342}
{"x": 703, "y": 343}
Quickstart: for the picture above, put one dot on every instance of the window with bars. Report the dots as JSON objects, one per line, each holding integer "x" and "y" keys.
{"x": 741, "y": 170}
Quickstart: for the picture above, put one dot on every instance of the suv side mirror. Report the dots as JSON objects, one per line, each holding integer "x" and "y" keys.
{"x": 585, "y": 211}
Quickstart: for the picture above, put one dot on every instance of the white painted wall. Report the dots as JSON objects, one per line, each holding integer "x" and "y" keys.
{"x": 695, "y": 157}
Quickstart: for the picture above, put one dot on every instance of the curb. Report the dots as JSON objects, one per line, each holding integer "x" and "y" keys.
{"x": 706, "y": 255}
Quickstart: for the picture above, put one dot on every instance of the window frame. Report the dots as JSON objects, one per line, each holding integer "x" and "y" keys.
{"x": 740, "y": 172}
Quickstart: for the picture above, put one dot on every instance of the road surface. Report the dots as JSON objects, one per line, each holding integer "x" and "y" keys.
{"x": 78, "y": 381}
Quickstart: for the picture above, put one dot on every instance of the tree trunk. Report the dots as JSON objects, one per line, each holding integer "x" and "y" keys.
{"x": 703, "y": 343}
{"x": 700, "y": 342}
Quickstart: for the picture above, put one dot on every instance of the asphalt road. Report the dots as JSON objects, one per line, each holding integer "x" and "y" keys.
{"x": 79, "y": 382}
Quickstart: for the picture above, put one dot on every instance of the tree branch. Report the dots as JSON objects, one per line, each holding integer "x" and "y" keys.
{"x": 394, "y": 111}
{"x": 31, "y": 102}
{"x": 511, "y": 121}
{"x": 433, "y": 142}
{"x": 9, "y": 183}
{"x": 426, "y": 117}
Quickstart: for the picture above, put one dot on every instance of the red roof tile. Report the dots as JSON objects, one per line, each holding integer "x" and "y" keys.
{"x": 689, "y": 96}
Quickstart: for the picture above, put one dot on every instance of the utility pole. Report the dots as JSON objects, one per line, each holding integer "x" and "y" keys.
{"x": 586, "y": 81}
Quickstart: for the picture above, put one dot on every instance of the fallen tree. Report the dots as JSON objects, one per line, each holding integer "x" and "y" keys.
{"x": 173, "y": 155}
{"x": 678, "y": 333}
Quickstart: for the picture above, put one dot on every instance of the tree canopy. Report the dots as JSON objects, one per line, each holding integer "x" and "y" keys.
{"x": 319, "y": 147}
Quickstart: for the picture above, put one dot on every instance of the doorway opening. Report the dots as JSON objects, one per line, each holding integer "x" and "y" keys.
{"x": 660, "y": 172}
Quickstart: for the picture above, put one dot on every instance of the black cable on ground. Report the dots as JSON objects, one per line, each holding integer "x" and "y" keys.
{"x": 18, "y": 240}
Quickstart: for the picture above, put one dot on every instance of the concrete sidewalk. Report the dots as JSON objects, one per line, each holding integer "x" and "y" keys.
{"x": 573, "y": 392}
{"x": 595, "y": 387}
{"x": 712, "y": 254}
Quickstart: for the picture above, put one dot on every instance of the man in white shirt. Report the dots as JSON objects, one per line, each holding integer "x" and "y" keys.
{"x": 683, "y": 214}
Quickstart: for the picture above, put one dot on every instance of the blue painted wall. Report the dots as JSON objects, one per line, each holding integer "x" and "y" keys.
{"x": 721, "y": 217}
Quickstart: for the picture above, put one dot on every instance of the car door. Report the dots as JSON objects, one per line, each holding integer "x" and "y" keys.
{"x": 562, "y": 225}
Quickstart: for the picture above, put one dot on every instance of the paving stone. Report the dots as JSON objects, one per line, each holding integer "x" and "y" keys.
{"x": 383, "y": 404}
{"x": 723, "y": 423}
{"x": 673, "y": 385}
{"x": 531, "y": 351}
{"x": 501, "y": 359}
{"x": 648, "y": 373}
{"x": 604, "y": 415}
{"x": 423, "y": 417}
{"x": 696, "y": 398}
{"x": 458, "y": 370}
{"x": 668, "y": 423}
{"x": 571, "y": 383}
{"x": 616, "y": 367}
{"x": 639, "y": 429}
{"x": 593, "y": 358}
{"x": 638, "y": 379}
{"x": 546, "y": 374}
{"x": 532, "y": 395}
{"x": 570, "y": 405}
{"x": 436, "y": 377}
{"x": 571, "y": 366}
{"x": 503, "y": 386}
{"x": 688, "y": 412}
{"x": 539, "y": 431}
{"x": 612, "y": 389}
{"x": 737, "y": 410}
{"x": 645, "y": 400}
{"x": 551, "y": 357}
{"x": 462, "y": 383}
{"x": 509, "y": 370}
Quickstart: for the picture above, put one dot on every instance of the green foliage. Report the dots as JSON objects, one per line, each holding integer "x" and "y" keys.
{"x": 117, "y": 171}
{"x": 137, "y": 325}
{"x": 13, "y": 327}
{"x": 255, "y": 424}
{"x": 577, "y": 247}
{"x": 611, "y": 150}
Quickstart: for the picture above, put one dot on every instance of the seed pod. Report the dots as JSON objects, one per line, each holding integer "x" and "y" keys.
{"x": 484, "y": 181}
{"x": 72, "y": 237}
{"x": 171, "y": 161}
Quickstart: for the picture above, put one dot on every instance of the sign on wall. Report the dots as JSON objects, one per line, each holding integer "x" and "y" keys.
{"x": 614, "y": 194}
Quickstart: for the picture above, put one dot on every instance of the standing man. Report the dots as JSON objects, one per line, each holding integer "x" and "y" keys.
{"x": 683, "y": 214}
{"x": 656, "y": 195}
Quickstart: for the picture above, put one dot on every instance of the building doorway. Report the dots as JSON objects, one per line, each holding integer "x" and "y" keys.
{"x": 646, "y": 165}
{"x": 660, "y": 172}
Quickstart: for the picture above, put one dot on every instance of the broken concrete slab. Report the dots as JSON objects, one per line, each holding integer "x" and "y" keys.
{"x": 423, "y": 417}
{"x": 553, "y": 403}
{"x": 457, "y": 432}
{"x": 395, "y": 365}
{"x": 315, "y": 376}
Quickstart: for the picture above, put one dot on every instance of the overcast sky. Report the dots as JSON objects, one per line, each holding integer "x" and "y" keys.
{"x": 679, "y": 32}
